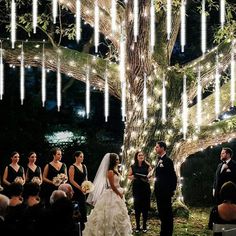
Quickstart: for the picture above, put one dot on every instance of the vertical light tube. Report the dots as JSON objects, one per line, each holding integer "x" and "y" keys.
{"x": 1, "y": 73}
{"x": 78, "y": 20}
{"x": 122, "y": 75}
{"x": 35, "y": 15}
{"x": 168, "y": 18}
{"x": 183, "y": 25}
{"x": 185, "y": 108}
{"x": 96, "y": 26}
{"x": 163, "y": 110}
{"x": 22, "y": 75}
{"x": 106, "y": 98}
{"x": 54, "y": 10}
{"x": 145, "y": 97}
{"x": 58, "y": 83}
{"x": 217, "y": 89}
{"x": 152, "y": 26}
{"x": 13, "y": 23}
{"x": 203, "y": 28}
{"x": 232, "y": 74}
{"x": 222, "y": 13}
{"x": 43, "y": 82}
{"x": 136, "y": 19}
{"x": 199, "y": 100}
{"x": 87, "y": 91}
{"x": 113, "y": 16}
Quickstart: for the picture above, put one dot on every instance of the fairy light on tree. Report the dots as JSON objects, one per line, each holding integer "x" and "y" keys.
{"x": 185, "y": 108}
{"x": 168, "y": 18}
{"x": 96, "y": 26}
{"x": 199, "y": 99}
{"x": 152, "y": 26}
{"x": 222, "y": 13}
{"x": 203, "y": 28}
{"x": 54, "y": 10}
{"x": 183, "y": 25}
{"x": 58, "y": 83}
{"x": 145, "y": 97}
{"x": 87, "y": 98}
{"x": 163, "y": 113}
{"x": 232, "y": 75}
{"x": 217, "y": 89}
{"x": 136, "y": 19}
{"x": 106, "y": 97}
{"x": 113, "y": 16}
{"x": 13, "y": 23}
{"x": 35, "y": 15}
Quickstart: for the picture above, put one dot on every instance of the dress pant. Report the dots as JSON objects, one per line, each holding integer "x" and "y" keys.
{"x": 164, "y": 206}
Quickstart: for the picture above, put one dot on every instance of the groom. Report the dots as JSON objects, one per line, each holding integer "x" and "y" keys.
{"x": 165, "y": 185}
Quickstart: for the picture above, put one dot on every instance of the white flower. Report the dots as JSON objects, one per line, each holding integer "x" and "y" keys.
{"x": 36, "y": 180}
{"x": 87, "y": 186}
{"x": 19, "y": 180}
{"x": 60, "y": 179}
{"x": 160, "y": 163}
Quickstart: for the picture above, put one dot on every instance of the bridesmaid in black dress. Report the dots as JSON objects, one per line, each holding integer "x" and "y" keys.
{"x": 33, "y": 170}
{"x": 138, "y": 173}
{"x": 51, "y": 170}
{"x": 13, "y": 173}
{"x": 78, "y": 174}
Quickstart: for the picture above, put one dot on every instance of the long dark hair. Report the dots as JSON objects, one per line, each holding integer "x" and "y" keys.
{"x": 144, "y": 162}
{"x": 112, "y": 164}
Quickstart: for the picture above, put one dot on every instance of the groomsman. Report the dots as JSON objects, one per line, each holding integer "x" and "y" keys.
{"x": 226, "y": 171}
{"x": 165, "y": 186}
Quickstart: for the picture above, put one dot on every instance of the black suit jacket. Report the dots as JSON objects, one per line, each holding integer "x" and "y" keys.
{"x": 226, "y": 175}
{"x": 166, "y": 179}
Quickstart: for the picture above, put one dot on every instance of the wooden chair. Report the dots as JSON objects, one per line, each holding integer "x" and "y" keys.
{"x": 224, "y": 229}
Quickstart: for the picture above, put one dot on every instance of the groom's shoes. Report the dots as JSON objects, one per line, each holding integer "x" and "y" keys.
{"x": 137, "y": 230}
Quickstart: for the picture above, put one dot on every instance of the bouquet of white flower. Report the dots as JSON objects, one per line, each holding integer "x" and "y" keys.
{"x": 87, "y": 186}
{"x": 19, "y": 180}
{"x": 36, "y": 180}
{"x": 60, "y": 179}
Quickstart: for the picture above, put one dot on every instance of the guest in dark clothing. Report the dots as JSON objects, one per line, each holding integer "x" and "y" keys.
{"x": 165, "y": 186}
{"x": 226, "y": 171}
{"x": 225, "y": 213}
{"x": 77, "y": 175}
{"x": 138, "y": 173}
{"x": 4, "y": 203}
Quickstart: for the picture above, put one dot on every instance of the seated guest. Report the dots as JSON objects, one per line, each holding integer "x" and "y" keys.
{"x": 67, "y": 188}
{"x": 225, "y": 213}
{"x": 4, "y": 203}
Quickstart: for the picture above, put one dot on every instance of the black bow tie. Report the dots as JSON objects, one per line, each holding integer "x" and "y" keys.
{"x": 224, "y": 162}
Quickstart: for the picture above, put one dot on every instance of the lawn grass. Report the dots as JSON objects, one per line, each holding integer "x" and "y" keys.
{"x": 196, "y": 225}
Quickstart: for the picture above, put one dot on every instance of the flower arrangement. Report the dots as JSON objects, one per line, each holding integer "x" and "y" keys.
{"x": 60, "y": 179}
{"x": 36, "y": 180}
{"x": 19, "y": 180}
{"x": 87, "y": 186}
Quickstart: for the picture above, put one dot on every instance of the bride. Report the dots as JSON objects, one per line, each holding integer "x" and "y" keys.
{"x": 109, "y": 215}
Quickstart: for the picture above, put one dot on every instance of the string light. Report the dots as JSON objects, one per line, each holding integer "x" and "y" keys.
{"x": 96, "y": 25}
{"x": 58, "y": 83}
{"x": 217, "y": 88}
{"x": 113, "y": 16}
{"x": 35, "y": 15}
{"x": 13, "y": 23}
{"x": 54, "y": 10}
{"x": 199, "y": 99}
{"x": 1, "y": 73}
{"x": 43, "y": 88}
{"x": 163, "y": 115}
{"x": 88, "y": 91}
{"x": 106, "y": 97}
{"x": 78, "y": 20}
{"x": 203, "y": 28}
{"x": 185, "y": 108}
{"x": 232, "y": 75}
{"x": 152, "y": 26}
{"x": 222, "y": 13}
{"x": 183, "y": 24}
{"x": 145, "y": 98}
{"x": 168, "y": 18}
{"x": 136, "y": 20}
{"x": 22, "y": 75}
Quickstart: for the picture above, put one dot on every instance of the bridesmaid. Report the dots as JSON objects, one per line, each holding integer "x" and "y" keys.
{"x": 13, "y": 173}
{"x": 78, "y": 174}
{"x": 33, "y": 170}
{"x": 51, "y": 170}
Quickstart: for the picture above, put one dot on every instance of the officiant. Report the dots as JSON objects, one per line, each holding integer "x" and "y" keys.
{"x": 138, "y": 173}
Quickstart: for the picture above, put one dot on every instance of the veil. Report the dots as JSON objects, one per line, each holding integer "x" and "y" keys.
{"x": 100, "y": 180}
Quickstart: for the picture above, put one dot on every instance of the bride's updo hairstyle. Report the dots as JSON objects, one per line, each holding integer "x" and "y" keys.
{"x": 113, "y": 162}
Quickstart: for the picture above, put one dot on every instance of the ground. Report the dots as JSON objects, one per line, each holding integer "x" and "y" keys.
{"x": 196, "y": 225}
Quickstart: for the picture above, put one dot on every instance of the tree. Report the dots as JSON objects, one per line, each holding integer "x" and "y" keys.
{"x": 139, "y": 60}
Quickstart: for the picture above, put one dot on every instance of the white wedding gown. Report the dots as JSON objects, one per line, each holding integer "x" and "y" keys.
{"x": 109, "y": 217}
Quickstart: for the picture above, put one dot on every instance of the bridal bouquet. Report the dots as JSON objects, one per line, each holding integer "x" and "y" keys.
{"x": 36, "y": 180}
{"x": 60, "y": 179}
{"x": 19, "y": 180}
{"x": 87, "y": 186}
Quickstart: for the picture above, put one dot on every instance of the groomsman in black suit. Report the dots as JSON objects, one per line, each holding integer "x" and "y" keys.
{"x": 226, "y": 171}
{"x": 165, "y": 186}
